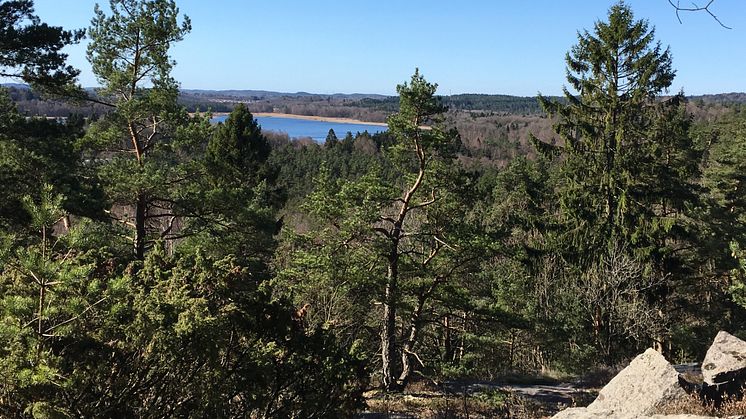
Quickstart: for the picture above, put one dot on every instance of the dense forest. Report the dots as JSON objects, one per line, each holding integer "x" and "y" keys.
{"x": 154, "y": 264}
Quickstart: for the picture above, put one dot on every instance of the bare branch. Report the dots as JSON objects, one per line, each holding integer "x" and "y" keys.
{"x": 72, "y": 319}
{"x": 694, "y": 8}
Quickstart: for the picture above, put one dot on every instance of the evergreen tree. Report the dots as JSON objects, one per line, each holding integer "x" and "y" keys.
{"x": 618, "y": 70}
{"x": 36, "y": 151}
{"x": 129, "y": 55}
{"x": 725, "y": 176}
{"x": 331, "y": 139}
{"x": 400, "y": 240}
{"x": 230, "y": 202}
{"x": 32, "y": 50}
{"x": 628, "y": 166}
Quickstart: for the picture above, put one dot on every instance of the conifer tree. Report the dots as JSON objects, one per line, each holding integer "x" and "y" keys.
{"x": 129, "y": 55}
{"x": 396, "y": 243}
{"x": 628, "y": 166}
{"x": 617, "y": 71}
{"x": 31, "y": 50}
{"x": 724, "y": 178}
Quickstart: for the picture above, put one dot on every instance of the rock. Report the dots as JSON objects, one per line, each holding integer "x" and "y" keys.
{"x": 647, "y": 383}
{"x": 724, "y": 369}
{"x": 582, "y": 413}
{"x": 637, "y": 391}
{"x": 585, "y": 413}
{"x": 726, "y": 356}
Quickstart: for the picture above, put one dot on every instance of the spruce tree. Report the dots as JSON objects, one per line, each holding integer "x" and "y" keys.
{"x": 628, "y": 163}
{"x": 617, "y": 71}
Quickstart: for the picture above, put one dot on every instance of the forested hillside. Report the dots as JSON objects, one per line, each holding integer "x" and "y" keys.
{"x": 155, "y": 264}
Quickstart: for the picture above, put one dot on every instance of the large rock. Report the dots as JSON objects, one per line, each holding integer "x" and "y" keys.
{"x": 637, "y": 391}
{"x": 647, "y": 383}
{"x": 724, "y": 369}
{"x": 726, "y": 356}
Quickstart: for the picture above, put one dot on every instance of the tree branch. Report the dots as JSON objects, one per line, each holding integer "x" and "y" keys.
{"x": 677, "y": 6}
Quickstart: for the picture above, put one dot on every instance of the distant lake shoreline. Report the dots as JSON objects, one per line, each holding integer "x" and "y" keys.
{"x": 337, "y": 120}
{"x": 314, "y": 127}
{"x": 318, "y": 118}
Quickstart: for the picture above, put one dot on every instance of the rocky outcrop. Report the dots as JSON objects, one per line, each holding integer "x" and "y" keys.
{"x": 650, "y": 382}
{"x": 726, "y": 355}
{"x": 581, "y": 413}
{"x": 646, "y": 384}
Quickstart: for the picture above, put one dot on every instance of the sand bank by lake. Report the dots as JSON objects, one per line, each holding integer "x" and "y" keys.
{"x": 318, "y": 118}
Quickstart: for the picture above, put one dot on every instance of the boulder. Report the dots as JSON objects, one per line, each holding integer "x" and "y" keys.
{"x": 726, "y": 355}
{"x": 582, "y": 413}
{"x": 637, "y": 391}
{"x": 585, "y": 413}
{"x": 647, "y": 383}
{"x": 724, "y": 368}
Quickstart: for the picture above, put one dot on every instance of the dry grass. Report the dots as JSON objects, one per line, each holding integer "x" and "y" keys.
{"x": 693, "y": 405}
{"x": 432, "y": 405}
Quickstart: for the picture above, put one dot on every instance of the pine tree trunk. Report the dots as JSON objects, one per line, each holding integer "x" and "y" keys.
{"x": 388, "y": 332}
{"x": 140, "y": 215}
{"x": 448, "y": 340}
{"x": 415, "y": 323}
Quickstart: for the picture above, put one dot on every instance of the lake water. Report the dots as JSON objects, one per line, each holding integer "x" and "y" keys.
{"x": 308, "y": 128}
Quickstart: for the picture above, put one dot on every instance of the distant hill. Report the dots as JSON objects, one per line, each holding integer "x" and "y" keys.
{"x": 367, "y": 107}
{"x": 266, "y": 94}
{"x": 16, "y": 86}
{"x": 721, "y": 98}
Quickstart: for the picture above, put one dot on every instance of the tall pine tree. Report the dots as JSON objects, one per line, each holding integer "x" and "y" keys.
{"x": 136, "y": 143}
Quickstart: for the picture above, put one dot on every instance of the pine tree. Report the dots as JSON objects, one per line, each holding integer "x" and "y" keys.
{"x": 31, "y": 50}
{"x": 394, "y": 242}
{"x": 129, "y": 55}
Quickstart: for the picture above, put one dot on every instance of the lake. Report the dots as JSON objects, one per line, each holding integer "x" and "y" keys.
{"x": 317, "y": 130}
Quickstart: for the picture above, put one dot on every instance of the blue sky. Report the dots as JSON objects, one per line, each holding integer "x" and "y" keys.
{"x": 327, "y": 46}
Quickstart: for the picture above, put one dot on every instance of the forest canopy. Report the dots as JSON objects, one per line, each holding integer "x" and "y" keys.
{"x": 154, "y": 263}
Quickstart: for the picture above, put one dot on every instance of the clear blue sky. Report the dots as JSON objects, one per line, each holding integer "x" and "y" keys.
{"x": 326, "y": 46}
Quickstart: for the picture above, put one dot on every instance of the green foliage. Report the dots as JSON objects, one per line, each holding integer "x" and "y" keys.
{"x": 391, "y": 259}
{"x": 725, "y": 174}
{"x": 237, "y": 152}
{"x": 188, "y": 335}
{"x": 626, "y": 187}
{"x": 142, "y": 146}
{"x": 32, "y": 50}
{"x": 398, "y": 239}
{"x": 37, "y": 152}
{"x": 612, "y": 146}
{"x": 187, "y": 328}
{"x": 47, "y": 212}
{"x": 143, "y": 30}
{"x": 297, "y": 165}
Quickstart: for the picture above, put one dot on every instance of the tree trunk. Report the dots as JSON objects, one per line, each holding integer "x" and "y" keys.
{"x": 448, "y": 340}
{"x": 388, "y": 331}
{"x": 414, "y": 329}
{"x": 140, "y": 215}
